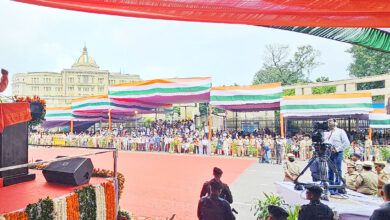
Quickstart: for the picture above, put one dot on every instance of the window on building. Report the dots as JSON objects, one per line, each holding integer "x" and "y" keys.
{"x": 92, "y": 89}
{"x": 58, "y": 81}
{"x": 71, "y": 80}
{"x": 101, "y": 80}
{"x": 35, "y": 80}
{"x": 58, "y": 89}
{"x": 47, "y": 89}
{"x": 47, "y": 80}
{"x": 101, "y": 88}
{"x": 85, "y": 79}
{"x": 122, "y": 81}
{"x": 112, "y": 82}
{"x": 71, "y": 88}
{"x": 79, "y": 88}
{"x": 86, "y": 89}
{"x": 35, "y": 88}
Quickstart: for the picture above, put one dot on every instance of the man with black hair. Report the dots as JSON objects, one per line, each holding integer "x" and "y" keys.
{"x": 315, "y": 210}
{"x": 276, "y": 213}
{"x": 225, "y": 193}
{"x": 212, "y": 207}
{"x": 339, "y": 141}
{"x": 383, "y": 213}
{"x": 3, "y": 80}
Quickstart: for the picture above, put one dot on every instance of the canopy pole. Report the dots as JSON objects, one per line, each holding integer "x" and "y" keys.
{"x": 109, "y": 123}
{"x": 71, "y": 126}
{"x": 370, "y": 133}
{"x": 281, "y": 125}
{"x": 210, "y": 119}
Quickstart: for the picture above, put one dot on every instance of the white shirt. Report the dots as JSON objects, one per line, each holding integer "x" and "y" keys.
{"x": 337, "y": 138}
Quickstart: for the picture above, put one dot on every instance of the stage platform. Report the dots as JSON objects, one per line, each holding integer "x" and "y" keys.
{"x": 18, "y": 196}
{"x": 351, "y": 206}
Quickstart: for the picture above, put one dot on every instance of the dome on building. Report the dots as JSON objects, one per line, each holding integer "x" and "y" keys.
{"x": 85, "y": 61}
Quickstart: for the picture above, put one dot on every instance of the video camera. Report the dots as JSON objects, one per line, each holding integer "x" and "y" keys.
{"x": 318, "y": 128}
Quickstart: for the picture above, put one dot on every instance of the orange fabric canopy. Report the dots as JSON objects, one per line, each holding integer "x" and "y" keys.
{"x": 311, "y": 13}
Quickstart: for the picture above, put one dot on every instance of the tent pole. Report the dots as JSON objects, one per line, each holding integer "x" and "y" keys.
{"x": 71, "y": 126}
{"x": 370, "y": 133}
{"x": 281, "y": 125}
{"x": 210, "y": 120}
{"x": 109, "y": 123}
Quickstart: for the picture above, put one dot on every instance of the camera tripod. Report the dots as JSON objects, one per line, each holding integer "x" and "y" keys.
{"x": 322, "y": 153}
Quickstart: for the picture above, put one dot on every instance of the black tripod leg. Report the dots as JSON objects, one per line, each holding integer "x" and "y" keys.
{"x": 304, "y": 169}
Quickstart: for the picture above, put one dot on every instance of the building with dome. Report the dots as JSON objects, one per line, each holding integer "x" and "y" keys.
{"x": 84, "y": 78}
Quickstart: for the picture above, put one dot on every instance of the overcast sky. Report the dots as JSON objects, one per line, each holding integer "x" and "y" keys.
{"x": 35, "y": 38}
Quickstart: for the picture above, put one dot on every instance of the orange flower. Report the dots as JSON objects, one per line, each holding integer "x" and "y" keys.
{"x": 72, "y": 207}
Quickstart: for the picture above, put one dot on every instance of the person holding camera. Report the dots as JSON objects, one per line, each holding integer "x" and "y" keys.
{"x": 4, "y": 80}
{"x": 339, "y": 141}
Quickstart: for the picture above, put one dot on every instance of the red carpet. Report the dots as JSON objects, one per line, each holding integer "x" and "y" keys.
{"x": 159, "y": 185}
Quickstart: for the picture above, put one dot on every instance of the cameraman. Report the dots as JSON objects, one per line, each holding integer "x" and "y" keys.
{"x": 338, "y": 140}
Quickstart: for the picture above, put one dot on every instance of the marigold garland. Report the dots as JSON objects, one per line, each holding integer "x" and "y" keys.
{"x": 110, "y": 200}
{"x": 72, "y": 207}
{"x": 107, "y": 173}
{"x": 16, "y": 216}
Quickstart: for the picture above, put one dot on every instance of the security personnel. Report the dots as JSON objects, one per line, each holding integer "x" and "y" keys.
{"x": 225, "y": 194}
{"x": 367, "y": 181}
{"x": 304, "y": 147}
{"x": 291, "y": 168}
{"x": 383, "y": 176}
{"x": 212, "y": 207}
{"x": 350, "y": 176}
{"x": 315, "y": 210}
{"x": 276, "y": 213}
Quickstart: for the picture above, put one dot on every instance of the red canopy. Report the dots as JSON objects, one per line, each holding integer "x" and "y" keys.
{"x": 311, "y": 13}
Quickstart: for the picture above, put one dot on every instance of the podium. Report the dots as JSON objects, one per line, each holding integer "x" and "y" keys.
{"x": 14, "y": 142}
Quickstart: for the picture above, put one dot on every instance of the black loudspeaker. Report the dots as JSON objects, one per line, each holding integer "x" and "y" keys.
{"x": 73, "y": 172}
{"x": 14, "y": 151}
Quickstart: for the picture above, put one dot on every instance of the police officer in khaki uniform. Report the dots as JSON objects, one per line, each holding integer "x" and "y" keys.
{"x": 304, "y": 147}
{"x": 291, "y": 168}
{"x": 383, "y": 176}
{"x": 350, "y": 176}
{"x": 367, "y": 180}
{"x": 368, "y": 148}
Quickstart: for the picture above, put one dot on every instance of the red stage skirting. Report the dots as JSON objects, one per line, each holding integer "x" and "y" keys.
{"x": 18, "y": 196}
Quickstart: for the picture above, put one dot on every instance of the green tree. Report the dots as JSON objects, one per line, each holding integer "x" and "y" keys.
{"x": 278, "y": 67}
{"x": 367, "y": 62}
{"x": 323, "y": 89}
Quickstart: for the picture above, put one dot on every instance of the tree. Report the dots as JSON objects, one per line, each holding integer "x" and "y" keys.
{"x": 367, "y": 62}
{"x": 278, "y": 67}
{"x": 323, "y": 89}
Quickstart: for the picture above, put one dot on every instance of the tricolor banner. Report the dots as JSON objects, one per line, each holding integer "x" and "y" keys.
{"x": 58, "y": 114}
{"x": 326, "y": 105}
{"x": 164, "y": 91}
{"x": 379, "y": 119}
{"x": 247, "y": 98}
